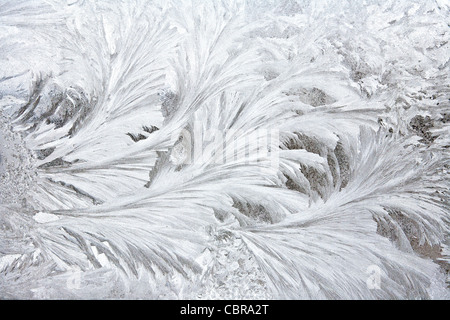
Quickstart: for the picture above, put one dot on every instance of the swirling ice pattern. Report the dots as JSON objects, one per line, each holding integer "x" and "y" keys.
{"x": 104, "y": 107}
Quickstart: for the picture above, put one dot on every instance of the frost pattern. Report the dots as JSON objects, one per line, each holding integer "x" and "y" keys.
{"x": 97, "y": 103}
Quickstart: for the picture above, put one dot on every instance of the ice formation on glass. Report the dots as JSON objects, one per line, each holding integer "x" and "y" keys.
{"x": 224, "y": 149}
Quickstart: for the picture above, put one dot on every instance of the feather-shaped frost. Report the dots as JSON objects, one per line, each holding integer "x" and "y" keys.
{"x": 243, "y": 149}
